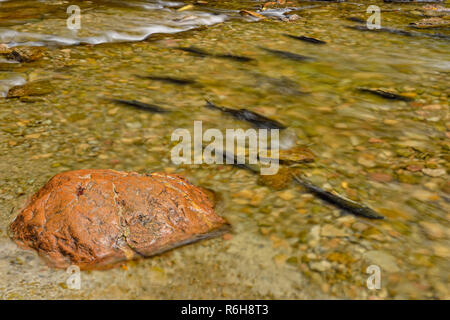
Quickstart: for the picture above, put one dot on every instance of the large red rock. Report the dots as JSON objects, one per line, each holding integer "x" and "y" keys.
{"x": 98, "y": 218}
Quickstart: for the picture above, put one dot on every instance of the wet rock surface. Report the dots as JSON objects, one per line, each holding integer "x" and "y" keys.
{"x": 34, "y": 88}
{"x": 97, "y": 218}
{"x": 26, "y": 54}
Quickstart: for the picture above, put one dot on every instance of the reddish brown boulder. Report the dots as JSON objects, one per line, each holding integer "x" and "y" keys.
{"x": 97, "y": 218}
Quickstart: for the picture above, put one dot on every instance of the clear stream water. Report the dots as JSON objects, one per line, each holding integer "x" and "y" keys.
{"x": 391, "y": 155}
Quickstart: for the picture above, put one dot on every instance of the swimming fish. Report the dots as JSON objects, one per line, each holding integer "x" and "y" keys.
{"x": 306, "y": 39}
{"x": 202, "y": 53}
{"x": 140, "y": 105}
{"x": 402, "y": 32}
{"x": 233, "y": 57}
{"x": 255, "y": 119}
{"x": 194, "y": 50}
{"x": 336, "y": 200}
{"x": 341, "y": 202}
{"x": 356, "y": 19}
{"x": 287, "y": 55}
{"x": 385, "y": 94}
{"x": 172, "y": 80}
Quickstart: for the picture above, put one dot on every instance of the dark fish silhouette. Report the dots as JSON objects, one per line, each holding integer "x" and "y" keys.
{"x": 202, "y": 53}
{"x": 341, "y": 202}
{"x": 228, "y": 157}
{"x": 287, "y": 55}
{"x": 169, "y": 79}
{"x": 255, "y": 119}
{"x": 356, "y": 19}
{"x": 338, "y": 201}
{"x": 140, "y": 105}
{"x": 234, "y": 57}
{"x": 306, "y": 39}
{"x": 194, "y": 50}
{"x": 402, "y": 32}
{"x": 385, "y": 94}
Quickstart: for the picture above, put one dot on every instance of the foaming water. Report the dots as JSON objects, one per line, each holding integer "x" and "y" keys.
{"x": 114, "y": 21}
{"x": 46, "y": 24}
{"x": 8, "y": 80}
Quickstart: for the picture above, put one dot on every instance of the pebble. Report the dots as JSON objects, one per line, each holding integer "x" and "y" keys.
{"x": 434, "y": 172}
{"x": 366, "y": 162}
{"x": 34, "y": 88}
{"x": 286, "y": 195}
{"x": 432, "y": 230}
{"x": 329, "y": 230}
{"x": 320, "y": 266}
{"x": 441, "y": 251}
{"x": 382, "y": 259}
{"x": 358, "y": 226}
{"x": 380, "y": 177}
{"x": 313, "y": 236}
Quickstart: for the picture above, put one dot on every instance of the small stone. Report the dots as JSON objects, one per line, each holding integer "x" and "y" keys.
{"x": 424, "y": 195}
{"x": 227, "y": 236}
{"x": 34, "y": 88}
{"x": 434, "y": 172}
{"x": 375, "y": 140}
{"x": 382, "y": 259}
{"x": 374, "y": 233}
{"x": 359, "y": 226}
{"x": 294, "y": 17}
{"x": 4, "y": 49}
{"x": 313, "y": 236}
{"x": 113, "y": 111}
{"x": 441, "y": 251}
{"x": 280, "y": 259}
{"x": 320, "y": 266}
{"x": 380, "y": 177}
{"x": 277, "y": 181}
{"x": 286, "y": 195}
{"x": 329, "y": 230}
{"x": 366, "y": 161}
{"x": 342, "y": 258}
{"x": 346, "y": 220}
{"x": 296, "y": 155}
{"x": 414, "y": 167}
{"x": 432, "y": 230}
{"x": 26, "y": 54}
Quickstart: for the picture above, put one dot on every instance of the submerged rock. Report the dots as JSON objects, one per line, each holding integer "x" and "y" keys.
{"x": 296, "y": 155}
{"x": 98, "y": 218}
{"x": 26, "y": 54}
{"x": 4, "y": 49}
{"x": 278, "y": 181}
{"x": 34, "y": 88}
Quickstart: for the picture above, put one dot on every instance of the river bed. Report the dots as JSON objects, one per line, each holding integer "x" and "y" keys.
{"x": 391, "y": 155}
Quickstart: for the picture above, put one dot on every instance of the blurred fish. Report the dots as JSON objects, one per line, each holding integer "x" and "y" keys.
{"x": 255, "y": 119}
{"x": 202, "y": 53}
{"x": 306, "y": 39}
{"x": 287, "y": 55}
{"x": 140, "y": 105}
{"x": 169, "y": 79}
{"x": 341, "y": 202}
{"x": 194, "y": 50}
{"x": 401, "y": 32}
{"x": 385, "y": 94}
{"x": 356, "y": 19}
{"x": 234, "y": 57}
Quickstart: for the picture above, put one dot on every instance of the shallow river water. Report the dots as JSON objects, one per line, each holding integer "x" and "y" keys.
{"x": 391, "y": 155}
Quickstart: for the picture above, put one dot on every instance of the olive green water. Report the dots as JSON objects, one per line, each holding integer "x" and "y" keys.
{"x": 391, "y": 155}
